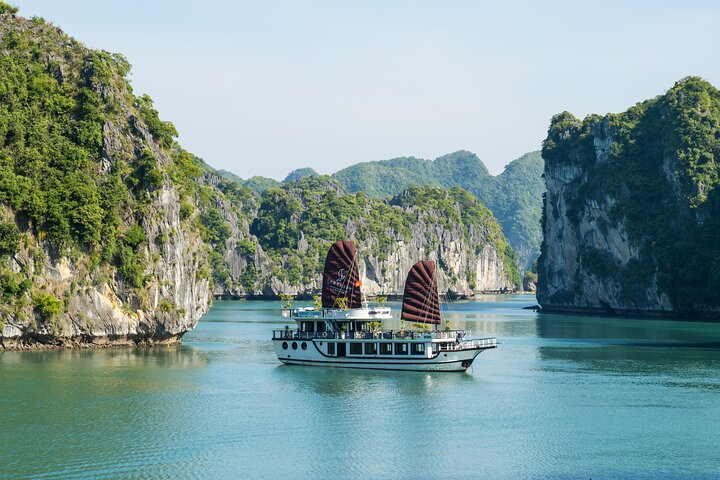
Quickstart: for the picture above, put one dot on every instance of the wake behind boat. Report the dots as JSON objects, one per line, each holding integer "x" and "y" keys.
{"x": 345, "y": 332}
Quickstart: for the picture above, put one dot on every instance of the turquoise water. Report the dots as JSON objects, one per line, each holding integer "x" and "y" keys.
{"x": 562, "y": 396}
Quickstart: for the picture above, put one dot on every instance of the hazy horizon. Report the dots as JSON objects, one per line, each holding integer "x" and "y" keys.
{"x": 263, "y": 89}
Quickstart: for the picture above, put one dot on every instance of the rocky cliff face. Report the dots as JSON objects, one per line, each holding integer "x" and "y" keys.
{"x": 98, "y": 309}
{"x": 631, "y": 207}
{"x": 462, "y": 272}
{"x": 472, "y": 254}
{"x": 577, "y": 248}
{"x": 96, "y": 250}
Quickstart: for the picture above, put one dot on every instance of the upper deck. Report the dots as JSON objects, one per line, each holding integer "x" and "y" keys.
{"x": 350, "y": 314}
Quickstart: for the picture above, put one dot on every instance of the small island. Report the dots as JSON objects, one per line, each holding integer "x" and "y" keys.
{"x": 630, "y": 220}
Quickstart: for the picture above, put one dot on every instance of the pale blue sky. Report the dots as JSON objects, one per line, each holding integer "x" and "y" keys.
{"x": 261, "y": 88}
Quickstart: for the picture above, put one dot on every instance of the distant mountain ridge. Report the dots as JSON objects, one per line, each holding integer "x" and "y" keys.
{"x": 257, "y": 184}
{"x": 386, "y": 178}
{"x": 514, "y": 196}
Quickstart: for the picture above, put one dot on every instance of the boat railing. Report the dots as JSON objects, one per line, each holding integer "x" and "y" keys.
{"x": 490, "y": 342}
{"x": 310, "y": 312}
{"x": 299, "y": 335}
{"x": 449, "y": 334}
{"x": 302, "y": 313}
{"x": 456, "y": 335}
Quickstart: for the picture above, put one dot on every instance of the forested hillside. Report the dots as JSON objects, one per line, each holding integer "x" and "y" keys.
{"x": 514, "y": 196}
{"x": 632, "y": 215}
{"x": 279, "y": 243}
{"x": 98, "y": 232}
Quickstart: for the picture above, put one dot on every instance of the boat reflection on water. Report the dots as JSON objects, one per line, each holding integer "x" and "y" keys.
{"x": 348, "y": 383}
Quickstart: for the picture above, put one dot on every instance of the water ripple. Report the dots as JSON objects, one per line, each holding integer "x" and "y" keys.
{"x": 562, "y": 397}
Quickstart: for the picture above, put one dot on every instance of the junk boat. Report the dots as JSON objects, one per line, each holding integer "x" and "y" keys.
{"x": 347, "y": 333}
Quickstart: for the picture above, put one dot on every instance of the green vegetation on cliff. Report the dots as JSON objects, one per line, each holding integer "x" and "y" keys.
{"x": 656, "y": 169}
{"x": 459, "y": 207}
{"x": 54, "y": 102}
{"x": 9, "y": 238}
{"x": 80, "y": 166}
{"x": 513, "y": 196}
{"x": 296, "y": 222}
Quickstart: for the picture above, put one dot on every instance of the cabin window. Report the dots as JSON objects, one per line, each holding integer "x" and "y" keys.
{"x": 355, "y": 348}
{"x": 417, "y": 348}
{"x": 320, "y": 326}
{"x": 386, "y": 348}
{"x": 370, "y": 349}
{"x": 401, "y": 349}
{"x": 331, "y": 348}
{"x": 435, "y": 347}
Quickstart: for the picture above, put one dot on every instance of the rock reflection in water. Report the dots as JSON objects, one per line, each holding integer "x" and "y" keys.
{"x": 651, "y": 350}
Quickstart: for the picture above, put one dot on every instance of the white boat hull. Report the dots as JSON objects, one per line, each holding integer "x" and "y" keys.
{"x": 314, "y": 355}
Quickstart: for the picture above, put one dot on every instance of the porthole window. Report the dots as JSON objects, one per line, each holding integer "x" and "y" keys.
{"x": 294, "y": 345}
{"x": 284, "y": 345}
{"x": 303, "y": 345}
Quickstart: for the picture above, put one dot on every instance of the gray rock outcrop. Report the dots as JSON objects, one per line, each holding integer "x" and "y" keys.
{"x": 630, "y": 219}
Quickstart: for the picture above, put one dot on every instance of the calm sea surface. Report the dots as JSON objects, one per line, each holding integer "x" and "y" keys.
{"x": 562, "y": 396}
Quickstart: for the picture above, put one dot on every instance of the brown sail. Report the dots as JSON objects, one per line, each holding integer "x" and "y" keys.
{"x": 421, "y": 302}
{"x": 341, "y": 278}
